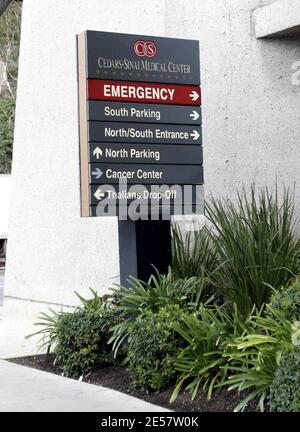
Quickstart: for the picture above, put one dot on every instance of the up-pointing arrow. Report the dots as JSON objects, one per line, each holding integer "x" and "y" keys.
{"x": 194, "y": 115}
{"x": 97, "y": 152}
{"x": 195, "y": 135}
{"x": 99, "y": 194}
{"x": 97, "y": 173}
{"x": 194, "y": 95}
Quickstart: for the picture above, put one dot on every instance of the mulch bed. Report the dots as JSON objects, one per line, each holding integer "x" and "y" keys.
{"x": 118, "y": 378}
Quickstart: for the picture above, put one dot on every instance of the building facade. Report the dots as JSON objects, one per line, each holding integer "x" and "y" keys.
{"x": 251, "y": 112}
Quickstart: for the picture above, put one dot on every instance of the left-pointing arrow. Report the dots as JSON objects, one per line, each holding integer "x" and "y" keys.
{"x": 99, "y": 194}
{"x": 97, "y": 173}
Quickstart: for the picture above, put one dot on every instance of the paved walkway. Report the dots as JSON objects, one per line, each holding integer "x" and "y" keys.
{"x": 23, "y": 389}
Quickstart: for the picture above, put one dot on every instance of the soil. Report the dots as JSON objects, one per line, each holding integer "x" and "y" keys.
{"x": 118, "y": 378}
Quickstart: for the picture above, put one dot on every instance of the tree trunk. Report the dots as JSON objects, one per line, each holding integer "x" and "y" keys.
{"x": 3, "y": 5}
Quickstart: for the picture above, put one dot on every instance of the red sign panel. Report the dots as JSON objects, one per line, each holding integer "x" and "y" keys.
{"x": 131, "y": 91}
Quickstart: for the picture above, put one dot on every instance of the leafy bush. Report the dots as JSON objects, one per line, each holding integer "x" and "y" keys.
{"x": 82, "y": 342}
{"x": 205, "y": 332}
{"x": 285, "y": 388}
{"x": 256, "y": 246}
{"x": 296, "y": 401}
{"x": 153, "y": 342}
{"x": 193, "y": 253}
{"x": 287, "y": 300}
{"x": 157, "y": 292}
{"x": 253, "y": 358}
{"x": 79, "y": 339}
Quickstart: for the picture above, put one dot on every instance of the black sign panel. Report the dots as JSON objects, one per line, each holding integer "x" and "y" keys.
{"x": 146, "y": 153}
{"x": 157, "y": 194}
{"x": 146, "y": 133}
{"x": 142, "y": 58}
{"x": 137, "y": 211}
{"x": 140, "y": 119}
{"x": 146, "y": 174}
{"x": 144, "y": 113}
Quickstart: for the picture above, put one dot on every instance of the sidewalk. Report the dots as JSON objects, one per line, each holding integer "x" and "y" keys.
{"x": 23, "y": 389}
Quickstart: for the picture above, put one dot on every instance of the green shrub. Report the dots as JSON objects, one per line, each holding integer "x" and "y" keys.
{"x": 7, "y": 114}
{"x": 157, "y": 292}
{"x": 287, "y": 300}
{"x": 252, "y": 359}
{"x": 296, "y": 400}
{"x": 285, "y": 388}
{"x": 193, "y": 253}
{"x": 153, "y": 342}
{"x": 82, "y": 342}
{"x": 200, "y": 363}
{"x": 79, "y": 339}
{"x": 256, "y": 246}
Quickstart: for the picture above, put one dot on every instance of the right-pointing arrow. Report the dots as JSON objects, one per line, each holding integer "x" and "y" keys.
{"x": 194, "y": 115}
{"x": 97, "y": 173}
{"x": 194, "y": 95}
{"x": 195, "y": 135}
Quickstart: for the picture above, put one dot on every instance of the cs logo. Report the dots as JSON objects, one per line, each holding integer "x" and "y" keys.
{"x": 145, "y": 48}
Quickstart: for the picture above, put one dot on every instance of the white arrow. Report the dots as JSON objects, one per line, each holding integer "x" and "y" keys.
{"x": 195, "y": 135}
{"x": 99, "y": 194}
{"x": 194, "y": 95}
{"x": 97, "y": 152}
{"x": 194, "y": 115}
{"x": 97, "y": 173}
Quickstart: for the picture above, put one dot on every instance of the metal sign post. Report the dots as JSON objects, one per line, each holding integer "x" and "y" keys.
{"x": 140, "y": 139}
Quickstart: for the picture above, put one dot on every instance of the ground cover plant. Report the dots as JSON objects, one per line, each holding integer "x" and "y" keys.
{"x": 287, "y": 301}
{"x": 152, "y": 346}
{"x": 159, "y": 291}
{"x": 226, "y": 316}
{"x": 253, "y": 357}
{"x": 207, "y": 333}
{"x": 79, "y": 339}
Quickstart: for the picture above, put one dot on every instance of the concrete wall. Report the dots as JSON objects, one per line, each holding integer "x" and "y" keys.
{"x": 251, "y": 130}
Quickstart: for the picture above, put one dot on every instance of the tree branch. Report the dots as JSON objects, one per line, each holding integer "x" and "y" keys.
{"x": 3, "y": 5}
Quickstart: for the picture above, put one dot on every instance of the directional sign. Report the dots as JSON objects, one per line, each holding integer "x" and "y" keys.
{"x": 142, "y": 58}
{"x": 146, "y": 154}
{"x": 153, "y": 174}
{"x": 146, "y": 133}
{"x": 128, "y": 91}
{"x": 167, "y": 194}
{"x": 143, "y": 113}
{"x": 140, "y": 121}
